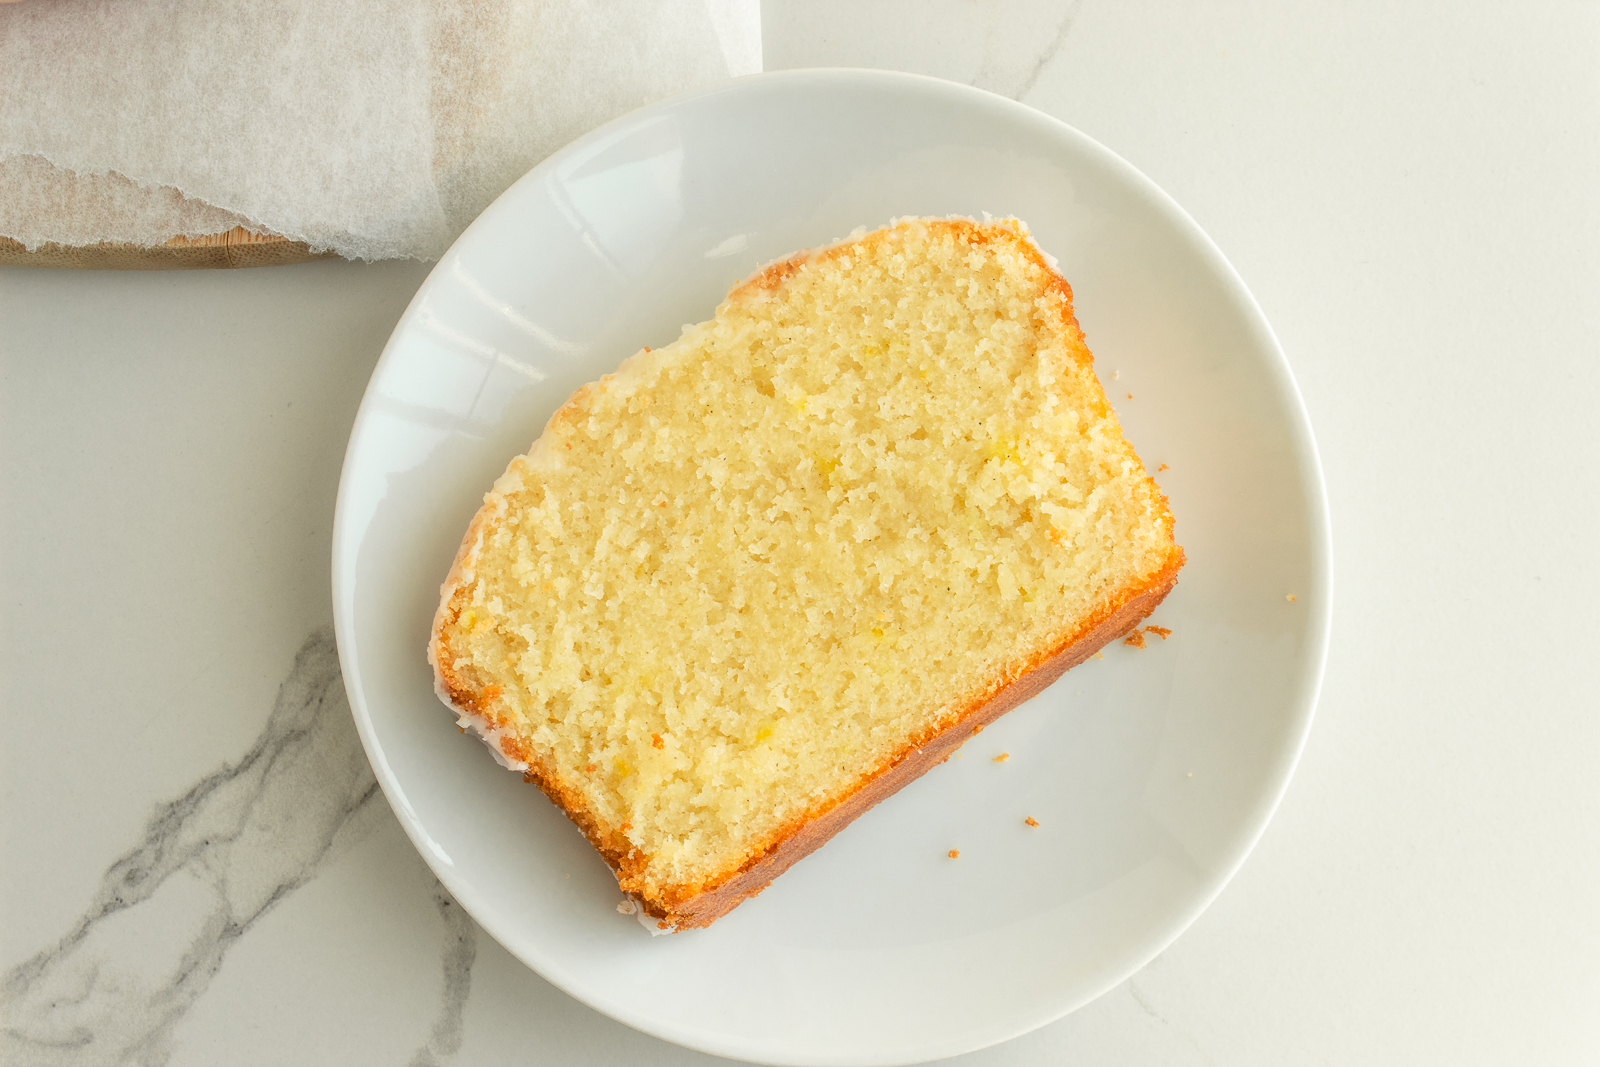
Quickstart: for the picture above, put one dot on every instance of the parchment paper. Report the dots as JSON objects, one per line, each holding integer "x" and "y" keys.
{"x": 375, "y": 128}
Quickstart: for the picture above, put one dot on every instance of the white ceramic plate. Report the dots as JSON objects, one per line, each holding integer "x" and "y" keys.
{"x": 1151, "y": 772}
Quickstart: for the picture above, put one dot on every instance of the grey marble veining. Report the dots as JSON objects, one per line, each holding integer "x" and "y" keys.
{"x": 1014, "y": 71}
{"x": 210, "y": 864}
{"x": 460, "y": 952}
{"x": 1003, "y": 46}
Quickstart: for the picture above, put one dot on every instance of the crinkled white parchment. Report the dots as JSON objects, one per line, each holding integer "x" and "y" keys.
{"x": 375, "y": 128}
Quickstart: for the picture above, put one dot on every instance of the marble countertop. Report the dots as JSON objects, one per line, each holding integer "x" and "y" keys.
{"x": 199, "y": 868}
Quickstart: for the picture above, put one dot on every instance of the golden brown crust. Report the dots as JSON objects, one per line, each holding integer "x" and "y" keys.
{"x": 771, "y": 276}
{"x": 698, "y": 906}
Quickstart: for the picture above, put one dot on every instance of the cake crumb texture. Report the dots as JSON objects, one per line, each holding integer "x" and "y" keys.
{"x": 760, "y": 567}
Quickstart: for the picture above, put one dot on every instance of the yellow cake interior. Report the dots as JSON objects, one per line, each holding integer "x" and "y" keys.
{"x": 739, "y": 576}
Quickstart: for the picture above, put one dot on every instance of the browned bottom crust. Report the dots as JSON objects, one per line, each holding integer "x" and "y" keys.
{"x": 910, "y": 764}
{"x": 813, "y": 831}
{"x": 913, "y": 763}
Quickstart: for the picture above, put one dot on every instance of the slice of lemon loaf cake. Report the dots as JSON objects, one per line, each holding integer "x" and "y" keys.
{"x": 757, "y": 580}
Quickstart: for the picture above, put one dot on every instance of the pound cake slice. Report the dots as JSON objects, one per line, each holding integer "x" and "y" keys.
{"x": 756, "y": 581}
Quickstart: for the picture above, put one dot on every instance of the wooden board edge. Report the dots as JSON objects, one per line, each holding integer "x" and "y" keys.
{"x": 237, "y": 247}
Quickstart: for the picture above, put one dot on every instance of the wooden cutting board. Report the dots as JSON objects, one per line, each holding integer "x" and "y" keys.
{"x": 238, "y": 247}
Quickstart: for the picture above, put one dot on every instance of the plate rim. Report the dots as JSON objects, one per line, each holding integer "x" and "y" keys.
{"x": 1301, "y": 707}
